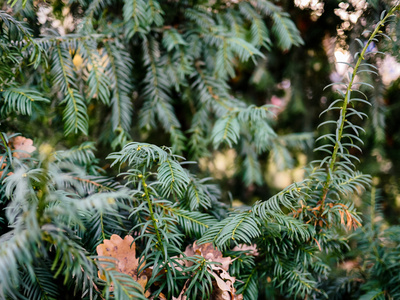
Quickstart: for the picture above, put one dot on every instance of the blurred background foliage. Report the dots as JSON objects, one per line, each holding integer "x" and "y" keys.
{"x": 292, "y": 77}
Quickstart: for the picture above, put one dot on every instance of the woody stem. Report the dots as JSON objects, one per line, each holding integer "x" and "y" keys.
{"x": 155, "y": 221}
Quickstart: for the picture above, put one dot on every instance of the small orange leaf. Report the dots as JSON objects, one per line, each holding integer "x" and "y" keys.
{"x": 358, "y": 223}
{"x": 341, "y": 217}
{"x": 349, "y": 220}
{"x": 319, "y": 246}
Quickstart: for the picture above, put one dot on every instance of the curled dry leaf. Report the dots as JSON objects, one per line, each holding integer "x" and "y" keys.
{"x": 223, "y": 288}
{"x": 124, "y": 250}
{"x": 243, "y": 247}
{"x": 24, "y": 145}
{"x": 209, "y": 253}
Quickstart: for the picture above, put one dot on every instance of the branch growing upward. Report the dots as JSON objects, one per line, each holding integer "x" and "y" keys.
{"x": 346, "y": 100}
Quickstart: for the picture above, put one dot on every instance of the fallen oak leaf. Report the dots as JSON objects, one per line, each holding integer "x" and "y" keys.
{"x": 124, "y": 250}
{"x": 210, "y": 253}
{"x": 142, "y": 280}
{"x": 23, "y": 146}
{"x": 223, "y": 283}
{"x": 224, "y": 288}
{"x": 120, "y": 249}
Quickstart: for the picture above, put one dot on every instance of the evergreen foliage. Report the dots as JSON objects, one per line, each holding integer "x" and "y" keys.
{"x": 188, "y": 61}
{"x": 133, "y": 61}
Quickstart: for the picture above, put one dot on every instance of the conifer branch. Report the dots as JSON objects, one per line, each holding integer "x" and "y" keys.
{"x": 346, "y": 100}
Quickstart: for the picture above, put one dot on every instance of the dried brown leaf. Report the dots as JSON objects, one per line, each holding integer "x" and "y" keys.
{"x": 124, "y": 250}
{"x": 243, "y": 247}
{"x": 209, "y": 253}
{"x": 224, "y": 285}
{"x": 3, "y": 165}
{"x": 162, "y": 297}
{"x": 223, "y": 288}
{"x": 23, "y": 144}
